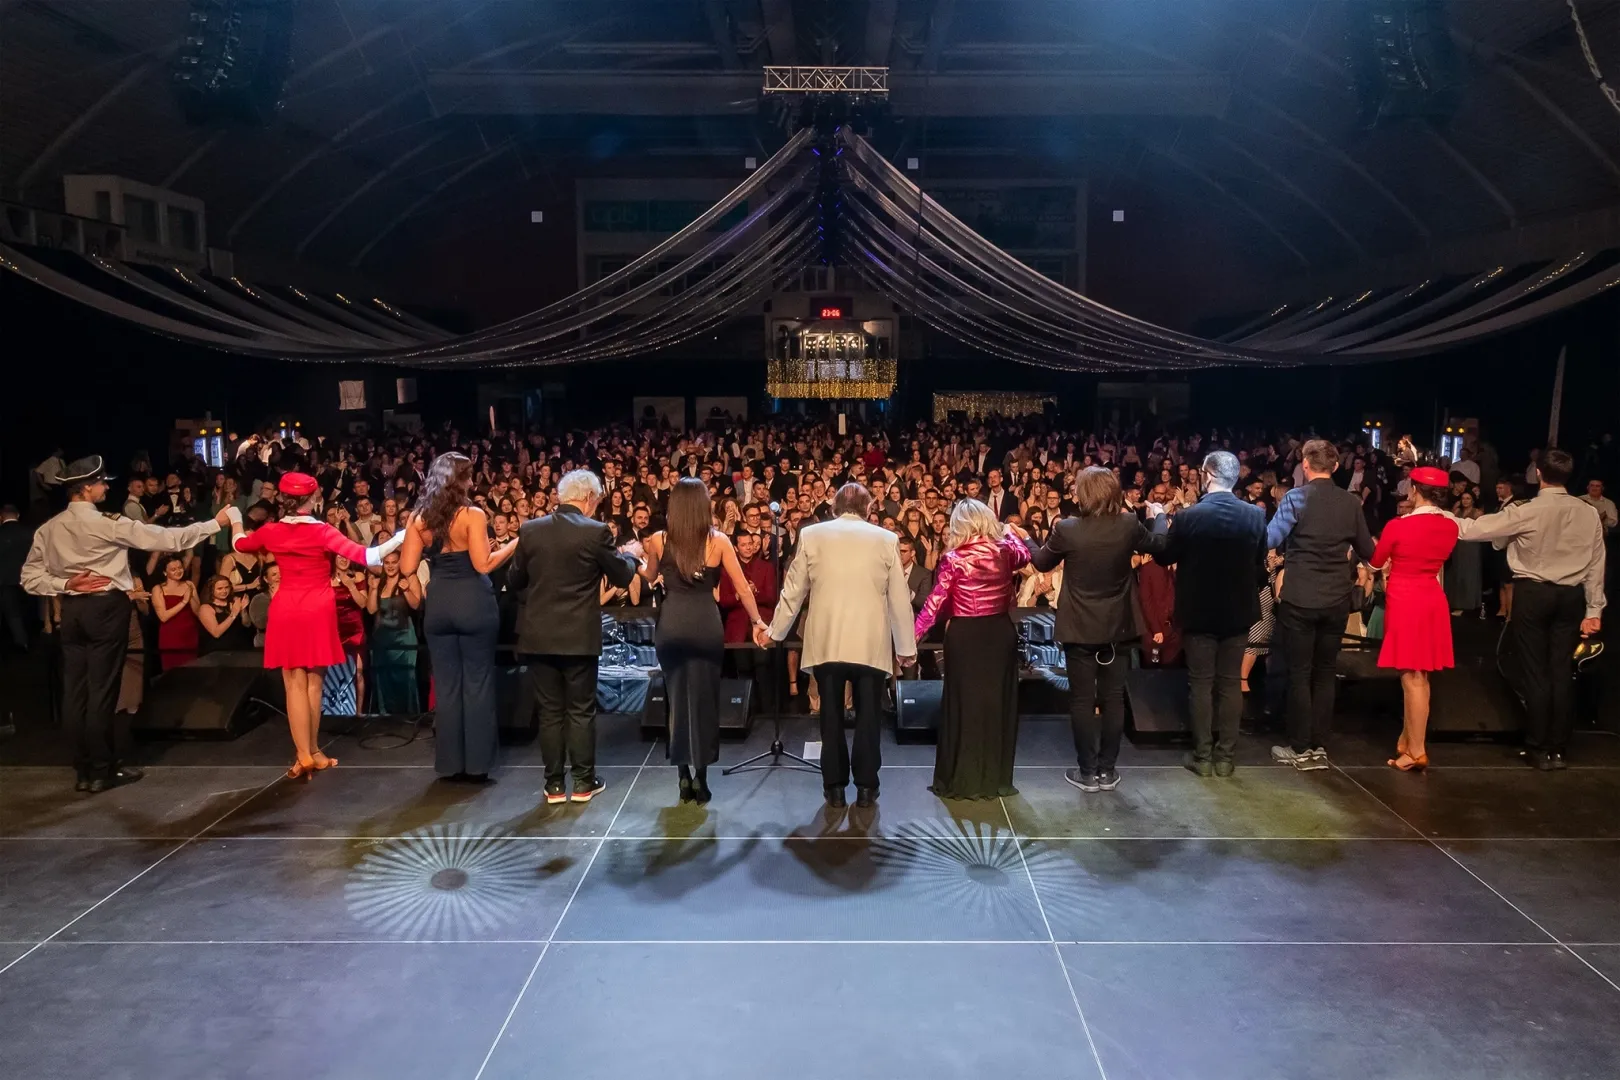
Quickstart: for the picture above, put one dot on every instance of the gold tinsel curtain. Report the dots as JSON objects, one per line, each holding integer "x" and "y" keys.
{"x": 980, "y": 403}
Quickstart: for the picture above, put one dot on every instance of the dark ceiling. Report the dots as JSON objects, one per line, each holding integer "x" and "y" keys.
{"x": 400, "y": 110}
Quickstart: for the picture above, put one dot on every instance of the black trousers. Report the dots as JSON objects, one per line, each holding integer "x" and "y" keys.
{"x": 565, "y": 695}
{"x": 94, "y": 636}
{"x": 15, "y": 615}
{"x": 836, "y": 765}
{"x": 1310, "y": 640}
{"x": 1214, "y": 692}
{"x": 1097, "y": 676}
{"x": 1546, "y": 627}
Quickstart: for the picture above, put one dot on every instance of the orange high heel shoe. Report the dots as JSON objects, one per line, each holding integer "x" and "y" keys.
{"x": 321, "y": 762}
{"x": 1413, "y": 764}
{"x": 302, "y": 769}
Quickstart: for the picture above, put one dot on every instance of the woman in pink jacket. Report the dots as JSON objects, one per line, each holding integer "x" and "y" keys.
{"x": 974, "y": 590}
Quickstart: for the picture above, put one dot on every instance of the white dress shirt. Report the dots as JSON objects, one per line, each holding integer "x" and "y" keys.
{"x": 1554, "y": 537}
{"x": 1605, "y": 508}
{"x": 82, "y": 538}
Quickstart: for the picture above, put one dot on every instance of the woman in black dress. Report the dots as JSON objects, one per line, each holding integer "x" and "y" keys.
{"x": 462, "y": 620}
{"x": 691, "y": 554}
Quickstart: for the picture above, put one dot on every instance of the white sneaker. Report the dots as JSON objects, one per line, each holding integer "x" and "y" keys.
{"x": 1304, "y": 761}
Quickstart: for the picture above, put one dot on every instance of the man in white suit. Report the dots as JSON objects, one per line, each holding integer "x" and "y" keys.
{"x": 860, "y": 621}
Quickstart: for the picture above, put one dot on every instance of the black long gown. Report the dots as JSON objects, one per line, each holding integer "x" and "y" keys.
{"x": 691, "y": 642}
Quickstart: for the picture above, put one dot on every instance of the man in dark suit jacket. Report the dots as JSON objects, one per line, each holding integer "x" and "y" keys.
{"x": 557, "y": 570}
{"x": 1325, "y": 531}
{"x": 15, "y": 539}
{"x": 1219, "y": 548}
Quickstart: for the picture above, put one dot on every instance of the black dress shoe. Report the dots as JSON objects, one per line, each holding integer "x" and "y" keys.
{"x": 687, "y": 794}
{"x": 82, "y": 784}
{"x": 835, "y": 798}
{"x": 124, "y": 774}
{"x": 866, "y": 796}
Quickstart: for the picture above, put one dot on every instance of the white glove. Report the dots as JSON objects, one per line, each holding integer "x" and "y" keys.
{"x": 235, "y": 514}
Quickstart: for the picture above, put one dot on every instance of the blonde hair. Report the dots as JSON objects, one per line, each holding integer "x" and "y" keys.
{"x": 970, "y": 520}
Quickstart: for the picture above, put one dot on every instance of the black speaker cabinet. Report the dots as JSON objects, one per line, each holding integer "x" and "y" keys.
{"x": 917, "y": 707}
{"x": 1473, "y": 699}
{"x": 736, "y": 707}
{"x": 519, "y": 718}
{"x": 218, "y": 696}
{"x": 1156, "y": 701}
{"x": 655, "y": 711}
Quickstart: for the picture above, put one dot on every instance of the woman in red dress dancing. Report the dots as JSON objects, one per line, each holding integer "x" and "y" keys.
{"x": 302, "y": 637}
{"x": 1417, "y": 618}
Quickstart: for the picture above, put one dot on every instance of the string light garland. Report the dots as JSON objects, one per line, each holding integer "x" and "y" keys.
{"x": 976, "y": 404}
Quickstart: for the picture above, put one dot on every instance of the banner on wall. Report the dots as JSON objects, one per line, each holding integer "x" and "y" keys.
{"x": 666, "y": 410}
{"x": 716, "y": 408}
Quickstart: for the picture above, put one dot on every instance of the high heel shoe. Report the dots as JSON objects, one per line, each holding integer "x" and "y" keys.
{"x": 302, "y": 769}
{"x": 1413, "y": 764}
{"x": 317, "y": 759}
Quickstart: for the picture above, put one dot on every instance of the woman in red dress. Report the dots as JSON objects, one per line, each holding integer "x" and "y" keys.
{"x": 302, "y": 636}
{"x": 175, "y": 601}
{"x": 1417, "y": 619}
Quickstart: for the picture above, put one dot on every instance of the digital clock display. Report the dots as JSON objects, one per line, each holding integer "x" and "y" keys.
{"x": 832, "y": 313}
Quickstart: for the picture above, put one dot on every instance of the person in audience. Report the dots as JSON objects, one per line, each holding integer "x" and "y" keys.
{"x": 301, "y": 637}
{"x": 174, "y": 599}
{"x": 560, "y": 561}
{"x": 1218, "y": 547}
{"x": 973, "y": 592}
{"x": 1464, "y": 570}
{"x": 1604, "y": 506}
{"x": 919, "y": 581}
{"x": 344, "y": 689}
{"x": 1555, "y": 548}
{"x": 393, "y": 639}
{"x": 1417, "y": 625}
{"x": 224, "y": 617}
{"x": 462, "y": 618}
{"x": 1096, "y": 620}
{"x": 692, "y": 555}
{"x": 1325, "y": 532}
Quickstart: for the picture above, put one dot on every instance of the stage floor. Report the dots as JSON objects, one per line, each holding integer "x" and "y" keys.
{"x": 217, "y": 921}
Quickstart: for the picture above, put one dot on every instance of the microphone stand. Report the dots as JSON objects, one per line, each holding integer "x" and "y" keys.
{"x": 777, "y": 751}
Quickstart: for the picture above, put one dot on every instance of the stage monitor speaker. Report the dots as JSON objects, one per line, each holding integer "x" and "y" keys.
{"x": 1156, "y": 701}
{"x": 1473, "y": 699}
{"x": 655, "y": 712}
{"x": 514, "y": 704}
{"x": 736, "y": 706}
{"x": 917, "y": 706}
{"x": 218, "y": 696}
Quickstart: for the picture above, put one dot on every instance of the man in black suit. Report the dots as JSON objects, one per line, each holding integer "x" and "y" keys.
{"x": 919, "y": 579}
{"x": 558, "y": 567}
{"x": 1326, "y": 532}
{"x": 1219, "y": 548}
{"x": 15, "y": 539}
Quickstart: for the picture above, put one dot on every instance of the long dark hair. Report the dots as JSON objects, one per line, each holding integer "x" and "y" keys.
{"x": 687, "y": 526}
{"x": 444, "y": 493}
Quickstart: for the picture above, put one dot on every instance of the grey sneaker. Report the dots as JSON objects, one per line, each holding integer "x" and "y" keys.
{"x": 1107, "y": 779}
{"x": 1224, "y": 768}
{"x": 1200, "y": 766}
{"x": 1085, "y": 781}
{"x": 1319, "y": 753}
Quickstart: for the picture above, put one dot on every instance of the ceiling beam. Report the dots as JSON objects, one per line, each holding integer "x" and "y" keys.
{"x": 880, "y": 16}
{"x": 780, "y": 31}
{"x": 1249, "y": 209}
{"x": 953, "y": 94}
{"x": 372, "y": 181}
{"x": 720, "y": 29}
{"x": 1293, "y": 189}
{"x": 1474, "y": 174}
{"x": 117, "y": 90}
{"x": 428, "y": 196}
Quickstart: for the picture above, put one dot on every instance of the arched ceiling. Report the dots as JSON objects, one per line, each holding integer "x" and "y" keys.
{"x": 400, "y": 110}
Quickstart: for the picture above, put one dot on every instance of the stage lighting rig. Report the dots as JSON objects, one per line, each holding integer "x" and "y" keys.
{"x": 831, "y": 97}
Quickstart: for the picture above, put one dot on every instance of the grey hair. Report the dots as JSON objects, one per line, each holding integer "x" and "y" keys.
{"x": 852, "y": 498}
{"x": 579, "y": 486}
{"x": 1222, "y": 468}
{"x": 970, "y": 520}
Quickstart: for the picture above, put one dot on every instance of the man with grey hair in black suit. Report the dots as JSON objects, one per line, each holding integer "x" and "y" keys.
{"x": 1219, "y": 548}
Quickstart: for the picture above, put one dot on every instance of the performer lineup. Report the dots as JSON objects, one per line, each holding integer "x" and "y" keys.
{"x": 854, "y": 603}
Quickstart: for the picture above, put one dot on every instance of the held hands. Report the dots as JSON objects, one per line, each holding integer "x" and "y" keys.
{"x": 762, "y": 635}
{"x": 86, "y": 582}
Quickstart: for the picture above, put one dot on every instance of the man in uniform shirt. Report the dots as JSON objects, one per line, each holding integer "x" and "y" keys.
{"x": 82, "y": 556}
{"x": 1555, "y": 549}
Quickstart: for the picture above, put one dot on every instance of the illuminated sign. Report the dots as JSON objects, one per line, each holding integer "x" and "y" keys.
{"x": 831, "y": 313}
